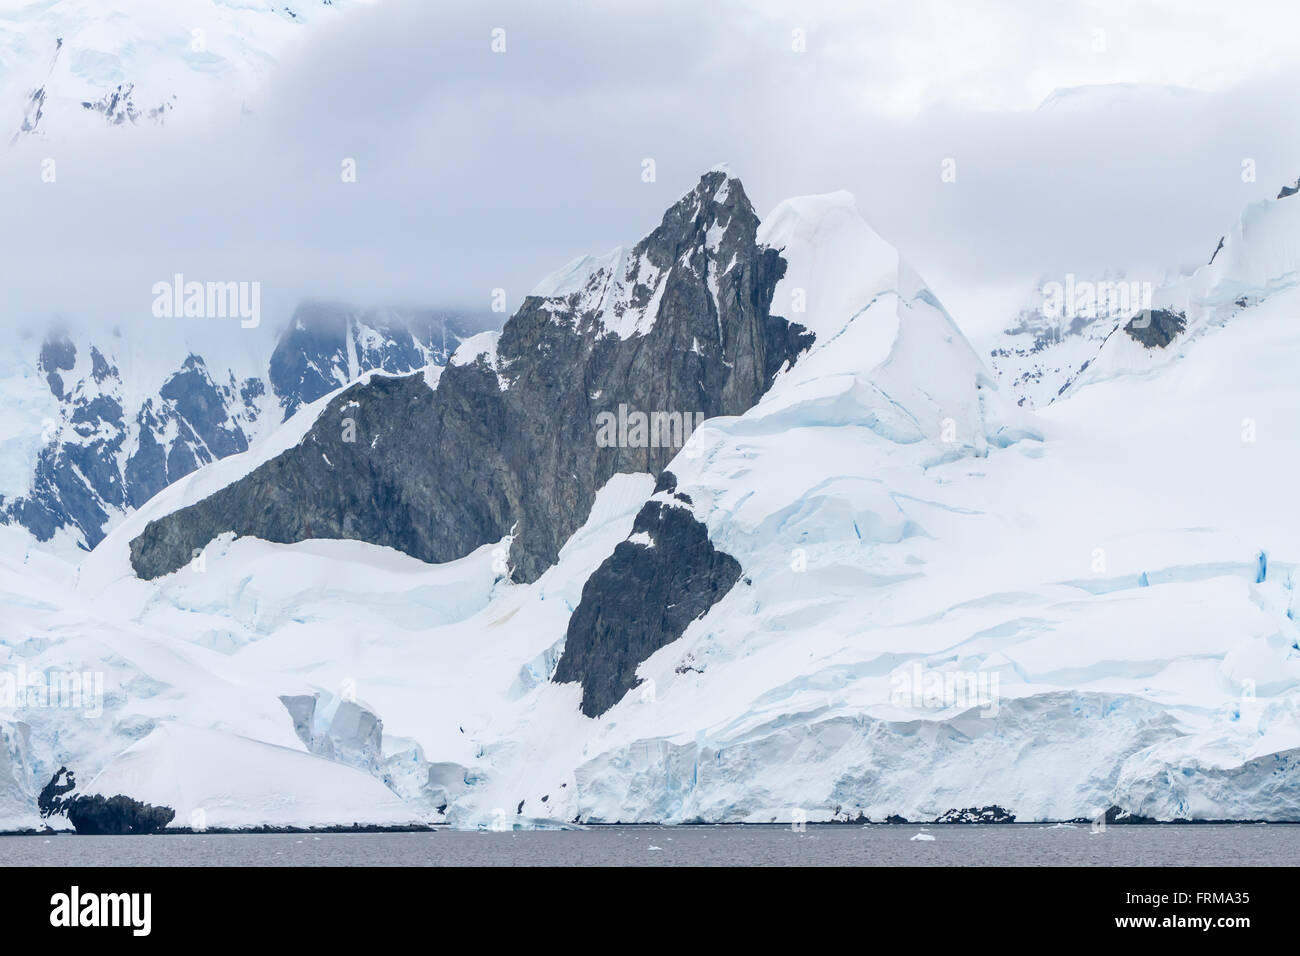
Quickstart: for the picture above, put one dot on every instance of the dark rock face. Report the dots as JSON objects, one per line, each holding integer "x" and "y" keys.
{"x": 311, "y": 355}
{"x": 1159, "y": 330}
{"x": 202, "y": 407}
{"x": 51, "y": 800}
{"x": 364, "y": 471}
{"x": 989, "y": 814}
{"x": 1289, "y": 190}
{"x": 642, "y": 597}
{"x": 509, "y": 439}
{"x": 57, "y": 354}
{"x": 97, "y": 814}
{"x": 1121, "y": 816}
{"x": 117, "y": 815}
{"x": 1219, "y": 247}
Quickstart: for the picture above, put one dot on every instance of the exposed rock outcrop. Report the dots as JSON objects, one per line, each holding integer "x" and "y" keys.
{"x": 989, "y": 814}
{"x": 98, "y": 814}
{"x": 1156, "y": 329}
{"x": 677, "y": 326}
{"x": 643, "y": 597}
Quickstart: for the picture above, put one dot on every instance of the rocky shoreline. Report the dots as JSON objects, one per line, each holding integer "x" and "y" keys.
{"x": 972, "y": 816}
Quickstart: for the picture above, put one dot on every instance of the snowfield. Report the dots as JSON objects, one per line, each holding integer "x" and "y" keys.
{"x": 69, "y": 66}
{"x": 1114, "y": 574}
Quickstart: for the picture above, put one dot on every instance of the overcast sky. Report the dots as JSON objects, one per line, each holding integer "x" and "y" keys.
{"x": 478, "y": 170}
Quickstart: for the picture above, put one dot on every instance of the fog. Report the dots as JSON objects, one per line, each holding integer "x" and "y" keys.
{"x": 478, "y": 170}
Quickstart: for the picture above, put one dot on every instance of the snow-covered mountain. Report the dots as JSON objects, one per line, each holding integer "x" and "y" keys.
{"x": 868, "y": 584}
{"x": 66, "y": 66}
{"x": 513, "y": 436}
{"x": 1039, "y": 355}
{"x": 97, "y": 424}
{"x": 1082, "y": 329}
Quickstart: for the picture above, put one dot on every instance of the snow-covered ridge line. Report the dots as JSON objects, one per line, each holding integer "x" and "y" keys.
{"x": 625, "y": 286}
{"x": 1253, "y": 263}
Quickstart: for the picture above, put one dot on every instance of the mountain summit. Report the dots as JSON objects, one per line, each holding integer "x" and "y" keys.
{"x": 509, "y": 440}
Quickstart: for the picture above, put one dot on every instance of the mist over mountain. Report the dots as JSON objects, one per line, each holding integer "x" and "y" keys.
{"x": 244, "y": 179}
{"x": 930, "y": 460}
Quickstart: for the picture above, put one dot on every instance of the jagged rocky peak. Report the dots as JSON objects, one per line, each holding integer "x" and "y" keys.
{"x": 328, "y": 344}
{"x": 58, "y": 354}
{"x": 606, "y": 368}
{"x": 102, "y": 454}
{"x": 622, "y": 289}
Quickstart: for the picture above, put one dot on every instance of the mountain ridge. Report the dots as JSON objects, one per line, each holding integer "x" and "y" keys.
{"x": 905, "y": 594}
{"x": 103, "y": 438}
{"x": 508, "y": 435}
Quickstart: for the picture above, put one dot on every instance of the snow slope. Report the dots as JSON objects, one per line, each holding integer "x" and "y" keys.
{"x": 1134, "y": 608}
{"x": 1257, "y": 261}
{"x": 1042, "y": 358}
